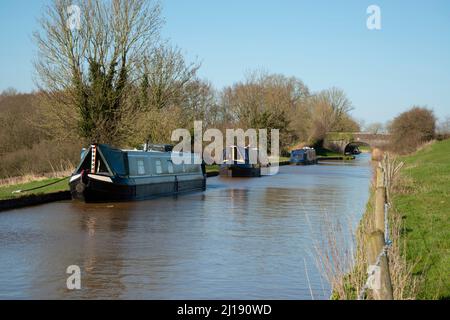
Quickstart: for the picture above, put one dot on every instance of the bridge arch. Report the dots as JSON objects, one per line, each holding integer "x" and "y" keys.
{"x": 340, "y": 141}
{"x": 354, "y": 145}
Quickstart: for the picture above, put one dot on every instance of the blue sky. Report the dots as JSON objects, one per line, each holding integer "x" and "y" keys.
{"x": 324, "y": 43}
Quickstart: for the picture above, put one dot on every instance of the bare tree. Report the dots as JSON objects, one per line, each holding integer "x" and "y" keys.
{"x": 340, "y": 105}
{"x": 375, "y": 128}
{"x": 266, "y": 100}
{"x": 330, "y": 111}
{"x": 166, "y": 89}
{"x": 9, "y": 92}
{"x": 264, "y": 92}
{"x": 322, "y": 117}
{"x": 444, "y": 127}
{"x": 165, "y": 74}
{"x": 199, "y": 102}
{"x": 338, "y": 101}
{"x": 86, "y": 70}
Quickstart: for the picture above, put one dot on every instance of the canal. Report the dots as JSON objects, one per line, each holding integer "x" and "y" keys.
{"x": 241, "y": 239}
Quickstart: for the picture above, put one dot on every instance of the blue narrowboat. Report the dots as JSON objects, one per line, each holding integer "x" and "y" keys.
{"x": 304, "y": 156}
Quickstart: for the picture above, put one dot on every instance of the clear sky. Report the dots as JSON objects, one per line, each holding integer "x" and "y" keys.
{"x": 324, "y": 43}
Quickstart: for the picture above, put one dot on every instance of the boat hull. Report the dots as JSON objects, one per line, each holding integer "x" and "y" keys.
{"x": 92, "y": 190}
{"x": 234, "y": 172}
{"x": 303, "y": 162}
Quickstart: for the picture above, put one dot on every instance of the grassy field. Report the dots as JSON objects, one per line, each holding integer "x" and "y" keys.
{"x": 6, "y": 192}
{"x": 422, "y": 197}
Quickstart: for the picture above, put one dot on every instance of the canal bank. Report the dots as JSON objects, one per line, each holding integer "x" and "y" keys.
{"x": 418, "y": 228}
{"x": 422, "y": 199}
{"x": 33, "y": 193}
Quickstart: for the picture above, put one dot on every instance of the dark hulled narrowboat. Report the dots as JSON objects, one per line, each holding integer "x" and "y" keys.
{"x": 106, "y": 174}
{"x": 304, "y": 156}
{"x": 237, "y": 163}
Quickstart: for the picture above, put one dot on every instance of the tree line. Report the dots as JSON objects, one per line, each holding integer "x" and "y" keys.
{"x": 114, "y": 80}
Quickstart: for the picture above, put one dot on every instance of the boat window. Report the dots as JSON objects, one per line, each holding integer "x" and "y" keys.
{"x": 170, "y": 166}
{"x": 140, "y": 167}
{"x": 100, "y": 166}
{"x": 158, "y": 166}
{"x": 86, "y": 163}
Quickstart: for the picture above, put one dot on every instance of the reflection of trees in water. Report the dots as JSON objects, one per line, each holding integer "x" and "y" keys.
{"x": 84, "y": 235}
{"x": 142, "y": 249}
{"x": 104, "y": 228}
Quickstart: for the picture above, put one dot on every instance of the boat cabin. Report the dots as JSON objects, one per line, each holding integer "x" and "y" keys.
{"x": 237, "y": 162}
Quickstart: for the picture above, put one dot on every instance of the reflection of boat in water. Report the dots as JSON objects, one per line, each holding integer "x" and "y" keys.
{"x": 237, "y": 163}
{"x": 106, "y": 174}
{"x": 304, "y": 156}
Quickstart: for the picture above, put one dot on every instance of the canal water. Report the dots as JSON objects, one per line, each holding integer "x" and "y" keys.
{"x": 258, "y": 238}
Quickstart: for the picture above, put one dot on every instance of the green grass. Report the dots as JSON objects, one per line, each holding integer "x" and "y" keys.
{"x": 322, "y": 152}
{"x": 365, "y": 148}
{"x": 326, "y": 153}
{"x": 212, "y": 168}
{"x": 423, "y": 200}
{"x": 6, "y": 192}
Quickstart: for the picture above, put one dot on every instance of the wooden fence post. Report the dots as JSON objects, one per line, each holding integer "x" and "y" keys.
{"x": 382, "y": 289}
{"x": 380, "y": 177}
{"x": 380, "y": 201}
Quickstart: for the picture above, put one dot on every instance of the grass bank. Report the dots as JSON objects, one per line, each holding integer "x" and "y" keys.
{"x": 419, "y": 257}
{"x": 422, "y": 197}
{"x": 44, "y": 186}
{"x": 326, "y": 154}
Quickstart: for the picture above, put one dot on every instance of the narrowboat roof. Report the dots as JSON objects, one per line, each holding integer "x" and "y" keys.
{"x": 117, "y": 160}
{"x": 105, "y": 148}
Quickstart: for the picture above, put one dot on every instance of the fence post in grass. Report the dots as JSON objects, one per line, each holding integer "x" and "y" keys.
{"x": 380, "y": 201}
{"x": 381, "y": 285}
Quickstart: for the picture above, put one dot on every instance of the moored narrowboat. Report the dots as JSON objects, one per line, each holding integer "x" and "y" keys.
{"x": 237, "y": 163}
{"x": 106, "y": 174}
{"x": 304, "y": 156}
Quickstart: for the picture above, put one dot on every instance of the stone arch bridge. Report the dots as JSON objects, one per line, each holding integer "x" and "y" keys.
{"x": 339, "y": 141}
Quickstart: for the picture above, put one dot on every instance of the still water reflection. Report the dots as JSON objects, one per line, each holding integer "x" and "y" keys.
{"x": 241, "y": 239}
